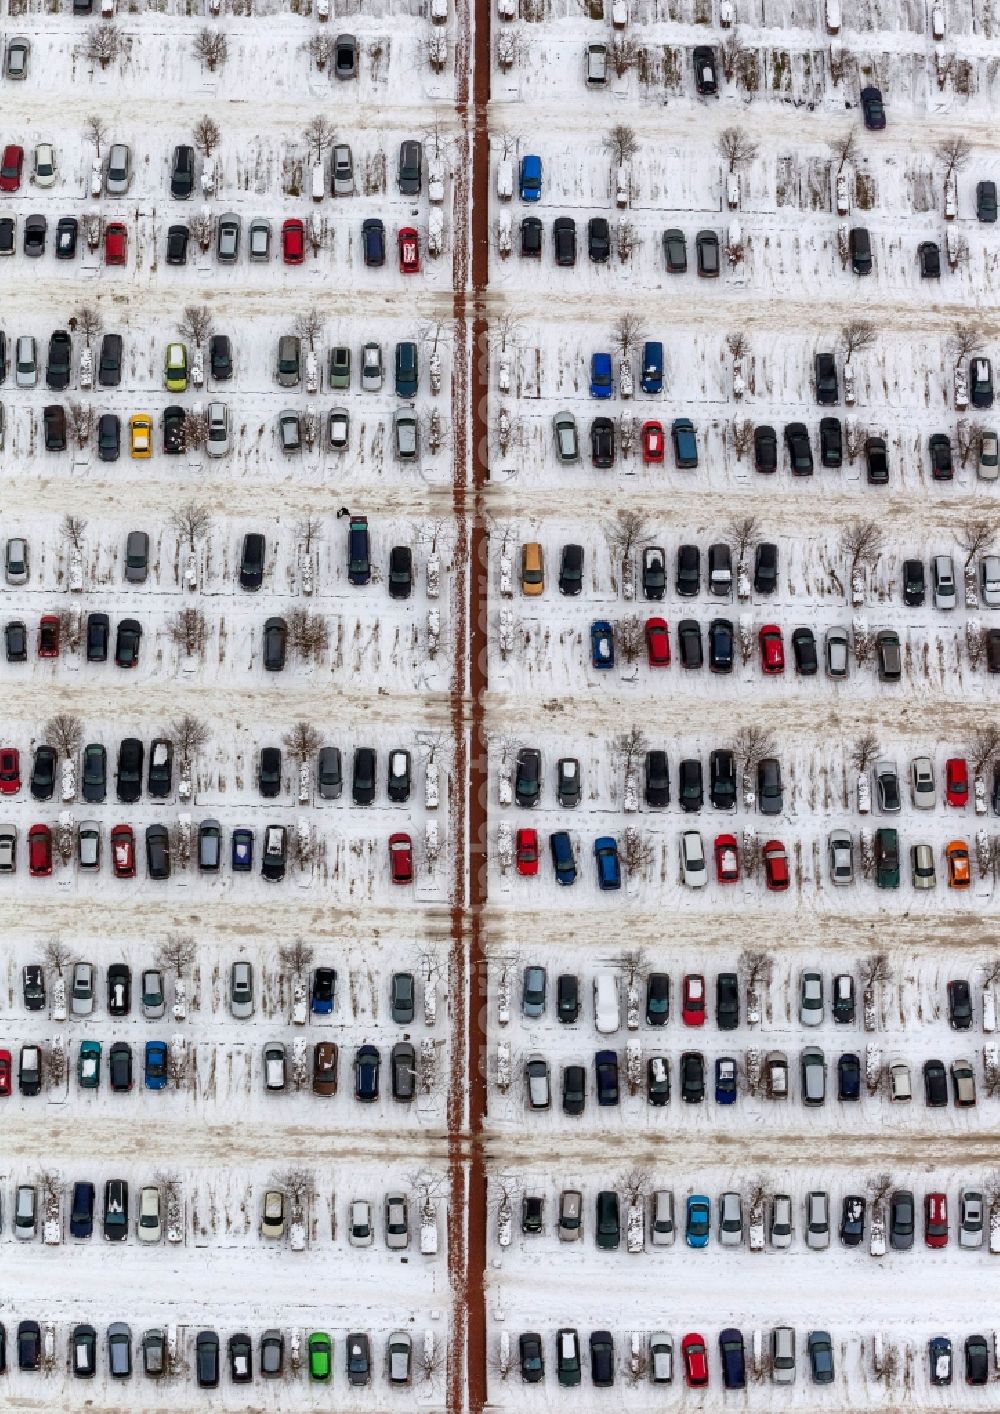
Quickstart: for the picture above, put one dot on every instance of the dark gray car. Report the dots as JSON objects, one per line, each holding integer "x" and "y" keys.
{"x": 329, "y": 773}
{"x": 410, "y": 155}
{"x": 136, "y": 557}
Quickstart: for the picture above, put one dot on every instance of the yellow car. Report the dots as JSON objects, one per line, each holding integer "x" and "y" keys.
{"x": 532, "y": 569}
{"x": 140, "y": 431}
{"x": 175, "y": 368}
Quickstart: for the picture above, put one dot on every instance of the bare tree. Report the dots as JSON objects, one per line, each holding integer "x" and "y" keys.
{"x": 628, "y": 746}
{"x": 757, "y": 967}
{"x": 187, "y": 629}
{"x": 189, "y": 734}
{"x": 318, "y": 133}
{"x": 954, "y": 153}
{"x": 431, "y": 1359}
{"x": 875, "y": 969}
{"x": 627, "y": 333}
{"x": 638, "y": 852}
{"x": 54, "y": 1060}
{"x": 732, "y": 50}
{"x": 964, "y": 341}
{"x": 633, "y": 963}
{"x": 622, "y": 143}
{"x": 196, "y": 428}
{"x": 309, "y": 326}
{"x": 501, "y": 1360}
{"x": 73, "y": 528}
{"x": 744, "y": 530}
{"x": 80, "y": 420}
{"x": 738, "y": 344}
{"x": 191, "y": 521}
{"x": 56, "y": 955}
{"x": 975, "y": 537}
{"x": 857, "y": 337}
{"x": 177, "y": 951}
{"x": 319, "y": 49}
{"x": 861, "y": 541}
{"x": 737, "y": 147}
{"x": 65, "y": 732}
{"x": 196, "y": 324}
{"x": 95, "y": 131}
{"x": 636, "y": 1184}
{"x": 625, "y": 532}
{"x": 628, "y": 637}
{"x": 985, "y": 747}
{"x": 751, "y": 745}
{"x": 296, "y": 956}
{"x": 211, "y": 48}
{"x": 302, "y": 742}
{"x": 308, "y": 634}
{"x": 308, "y": 530}
{"x": 845, "y": 148}
{"x": 505, "y": 331}
{"x": 206, "y": 135}
{"x": 969, "y": 436}
{"x": 864, "y": 751}
{"x": 628, "y": 240}
{"x": 624, "y": 54}
{"x": 88, "y": 322}
{"x": 104, "y": 44}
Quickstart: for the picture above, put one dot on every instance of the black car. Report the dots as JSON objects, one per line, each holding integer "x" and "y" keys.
{"x": 765, "y": 448}
{"x": 959, "y": 1005}
{"x": 939, "y": 446}
{"x": 206, "y": 1357}
{"x": 95, "y": 770}
{"x": 220, "y": 357}
{"x": 688, "y": 578}
{"x": 398, "y": 776}
{"x": 574, "y": 1089}
{"x": 860, "y": 245}
{"x": 986, "y": 202}
{"x": 571, "y": 570}
{"x": 8, "y": 235}
{"x": 119, "y": 989}
{"x": 43, "y": 773}
{"x": 115, "y": 1210}
{"x": 275, "y": 644}
{"x": 657, "y": 779}
{"x": 692, "y": 1077}
{"x": 373, "y": 240}
{"x": 689, "y": 643}
{"x": 177, "y": 244}
{"x": 174, "y": 422}
{"x": 831, "y": 442}
{"x": 564, "y": 240}
{"x": 675, "y": 251}
{"x": 363, "y": 776}
{"x": 765, "y": 568}
{"x": 980, "y": 382}
{"x": 722, "y": 779}
{"x": 81, "y": 1213}
{"x": 60, "y": 358}
{"x": 606, "y": 1075}
{"x": 852, "y": 1220}
{"x": 914, "y": 585}
{"x": 598, "y": 239}
{"x": 654, "y": 572}
{"x": 15, "y": 635}
{"x": 720, "y": 646}
{"x": 128, "y": 637}
{"x": 324, "y": 986}
{"x": 873, "y": 109}
{"x": 109, "y": 366}
{"x": 158, "y": 851}
{"x": 877, "y": 461}
{"x": 182, "y": 173}
{"x": 706, "y": 244}
{"x": 35, "y": 228}
{"x": 366, "y": 1072}
{"x": 657, "y": 1081}
{"x": 657, "y": 998}
{"x": 252, "y": 561}
{"x": 607, "y": 1219}
{"x": 531, "y": 238}
{"x": 727, "y": 1001}
{"x": 844, "y": 1005}
{"x": 130, "y": 757}
{"x": 929, "y": 256}
{"x": 528, "y": 776}
{"x": 770, "y": 796}
{"x": 240, "y": 1359}
{"x": 67, "y": 231}
{"x": 359, "y": 569}
{"x": 54, "y": 423}
{"x": 690, "y": 789}
{"x": 109, "y": 437}
{"x": 400, "y": 572}
{"x": 161, "y": 762}
{"x": 602, "y": 442}
{"x": 827, "y": 390}
{"x": 706, "y": 73}
{"x": 848, "y": 1077}
{"x": 799, "y": 450}
{"x": 977, "y": 1360}
{"x": 529, "y": 1347}
{"x": 29, "y": 1345}
{"x": 901, "y": 1219}
{"x": 33, "y": 987}
{"x": 269, "y": 772}
{"x": 567, "y": 998}
{"x": 804, "y": 651}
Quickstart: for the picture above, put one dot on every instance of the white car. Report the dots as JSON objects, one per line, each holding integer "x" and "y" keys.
{"x": 371, "y": 368}
{"x": 900, "y": 1088}
{"x": 148, "y": 1227}
{"x": 694, "y": 871}
{"x": 989, "y": 578}
{"x": 25, "y": 1212}
{"x": 782, "y": 1225}
{"x": 359, "y": 1223}
{"x": 272, "y": 1215}
{"x": 44, "y": 174}
{"x": 970, "y": 1226}
{"x": 404, "y": 425}
{"x": 841, "y": 849}
{"x": 922, "y": 783}
{"x": 662, "y": 1227}
{"x": 817, "y": 1220}
{"x": 8, "y": 848}
{"x": 82, "y": 991}
{"x": 25, "y": 361}
{"x": 730, "y": 1220}
{"x": 217, "y": 430}
{"x": 274, "y": 1066}
{"x": 397, "y": 1223}
{"x": 340, "y": 428}
{"x": 607, "y": 1008}
{"x": 118, "y": 174}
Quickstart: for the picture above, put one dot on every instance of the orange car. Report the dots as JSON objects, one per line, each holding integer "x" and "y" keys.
{"x": 959, "y": 872}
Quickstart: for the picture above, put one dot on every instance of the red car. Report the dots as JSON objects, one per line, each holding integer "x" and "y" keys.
{"x": 123, "y": 851}
{"x": 10, "y": 771}
{"x": 10, "y": 168}
{"x": 657, "y": 643}
{"x": 695, "y": 1360}
{"x": 727, "y": 859}
{"x": 652, "y": 442}
{"x": 936, "y": 1219}
{"x": 115, "y": 243}
{"x": 772, "y": 650}
{"x": 401, "y": 859}
{"x": 527, "y": 852}
{"x": 776, "y": 866}
{"x": 5, "y": 1072}
{"x": 956, "y": 782}
{"x": 693, "y": 999}
{"x": 409, "y": 250}
{"x": 39, "y": 850}
{"x": 48, "y": 636}
{"x": 293, "y": 241}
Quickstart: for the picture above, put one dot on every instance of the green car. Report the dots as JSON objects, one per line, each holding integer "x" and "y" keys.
{"x": 320, "y": 1357}
{"x": 887, "y": 859}
{"x": 340, "y": 367}
{"x": 88, "y": 1066}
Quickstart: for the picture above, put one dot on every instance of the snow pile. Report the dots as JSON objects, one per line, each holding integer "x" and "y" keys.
{"x": 179, "y": 1009}
{"x": 304, "y": 783}
{"x": 430, "y": 1002}
{"x": 876, "y": 1244}
{"x": 59, "y": 998}
{"x": 634, "y": 1228}
{"x": 632, "y": 1006}
{"x": 433, "y": 631}
{"x": 505, "y": 1220}
{"x": 428, "y": 1065}
{"x": 429, "y": 1229}
{"x": 873, "y": 1068}
{"x": 177, "y": 1058}
{"x": 989, "y": 1010}
{"x": 505, "y": 846}
{"x": 300, "y": 1063}
{"x": 432, "y": 844}
{"x": 505, "y": 783}
{"x": 175, "y": 1213}
{"x": 503, "y": 997}
{"x": 431, "y": 786}
{"x": 991, "y": 1069}
{"x": 752, "y": 1061}
{"x": 300, "y": 999}
{"x": 52, "y": 1211}
{"x": 984, "y": 853}
{"x": 979, "y": 790}
{"x": 864, "y": 793}
{"x": 503, "y": 1066}
{"x": 433, "y": 576}
{"x": 756, "y": 1222}
{"x": 633, "y": 1066}
{"x": 630, "y": 800}
{"x": 304, "y": 844}
{"x": 505, "y": 633}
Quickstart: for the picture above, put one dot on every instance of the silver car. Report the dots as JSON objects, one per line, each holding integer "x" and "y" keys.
{"x": 730, "y": 1220}
{"x": 405, "y": 428}
{"x": 943, "y": 576}
{"x": 782, "y": 1225}
{"x": 567, "y": 440}
{"x": 88, "y": 844}
{"x": 661, "y": 1217}
{"x": 118, "y": 174}
{"x": 837, "y": 645}
{"x": 970, "y": 1223}
{"x": 536, "y": 1075}
{"x": 811, "y": 999}
{"x": 360, "y": 1232}
{"x": 241, "y": 990}
{"x": 397, "y": 1222}
{"x": 922, "y": 786}
{"x": 259, "y": 239}
{"x": 18, "y": 50}
{"x": 372, "y": 372}
{"x": 25, "y": 361}
{"x": 15, "y": 561}
{"x": 570, "y": 1223}
{"x": 783, "y": 1355}
{"x": 8, "y": 848}
{"x": 922, "y": 866}
{"x": 661, "y": 1358}
{"x": 343, "y": 170}
{"x": 227, "y": 244}
{"x": 399, "y": 1351}
{"x": 82, "y": 991}
{"x": 989, "y": 578}
{"x": 289, "y": 370}
{"x": 841, "y": 848}
{"x": 217, "y": 433}
{"x": 817, "y": 1220}
{"x": 153, "y": 1000}
{"x": 813, "y": 1066}
{"x": 25, "y": 1212}
{"x": 289, "y": 431}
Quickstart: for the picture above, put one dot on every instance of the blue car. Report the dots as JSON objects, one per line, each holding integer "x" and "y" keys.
{"x": 699, "y": 1218}
{"x": 685, "y": 442}
{"x": 373, "y": 241}
{"x": 156, "y": 1065}
{"x": 81, "y": 1214}
{"x": 652, "y": 366}
{"x": 563, "y": 859}
{"x": 242, "y": 856}
{"x": 531, "y": 178}
{"x": 606, "y": 1069}
{"x": 609, "y": 874}
{"x": 602, "y": 644}
{"x": 732, "y": 1358}
{"x": 602, "y": 383}
{"x": 725, "y": 1081}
